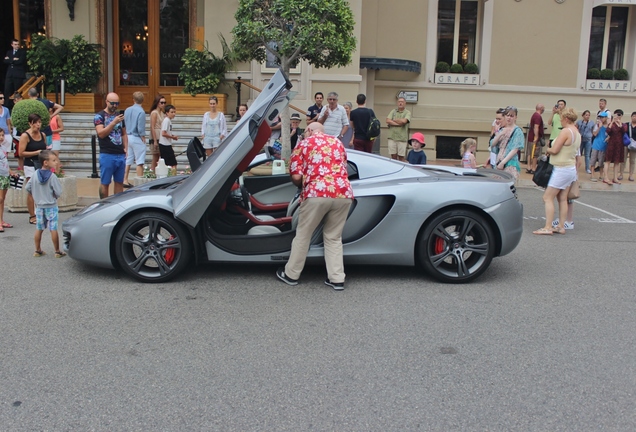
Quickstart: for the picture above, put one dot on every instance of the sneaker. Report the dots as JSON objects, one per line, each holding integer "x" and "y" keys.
{"x": 588, "y": 171}
{"x": 338, "y": 286}
{"x": 568, "y": 225}
{"x": 555, "y": 223}
{"x": 280, "y": 273}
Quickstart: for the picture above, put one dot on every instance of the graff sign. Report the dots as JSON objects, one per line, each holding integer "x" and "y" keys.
{"x": 462, "y": 79}
{"x": 608, "y": 85}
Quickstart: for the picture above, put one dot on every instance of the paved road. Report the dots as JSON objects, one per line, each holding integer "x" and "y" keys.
{"x": 543, "y": 341}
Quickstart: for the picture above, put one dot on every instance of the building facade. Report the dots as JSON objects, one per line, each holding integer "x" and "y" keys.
{"x": 525, "y": 52}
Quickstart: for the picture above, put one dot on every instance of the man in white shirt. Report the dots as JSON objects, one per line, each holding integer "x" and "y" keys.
{"x": 334, "y": 117}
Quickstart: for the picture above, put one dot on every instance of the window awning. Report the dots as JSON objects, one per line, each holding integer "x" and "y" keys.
{"x": 614, "y": 2}
{"x": 390, "y": 63}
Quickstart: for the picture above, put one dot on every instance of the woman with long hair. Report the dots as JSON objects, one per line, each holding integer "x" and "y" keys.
{"x": 563, "y": 152}
{"x": 509, "y": 140}
{"x": 157, "y": 114}
{"x": 32, "y": 142}
{"x": 213, "y": 127}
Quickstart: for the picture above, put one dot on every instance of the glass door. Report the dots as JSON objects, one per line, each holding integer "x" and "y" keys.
{"x": 150, "y": 36}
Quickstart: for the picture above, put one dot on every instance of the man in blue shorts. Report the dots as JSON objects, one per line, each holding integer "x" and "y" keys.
{"x": 113, "y": 144}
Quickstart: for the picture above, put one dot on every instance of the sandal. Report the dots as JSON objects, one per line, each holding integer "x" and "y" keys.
{"x": 607, "y": 182}
{"x": 1, "y": 229}
{"x": 620, "y": 177}
{"x": 558, "y": 230}
{"x": 8, "y": 225}
{"x": 33, "y": 219}
{"x": 616, "y": 181}
{"x": 543, "y": 231}
{"x": 38, "y": 253}
{"x": 60, "y": 254}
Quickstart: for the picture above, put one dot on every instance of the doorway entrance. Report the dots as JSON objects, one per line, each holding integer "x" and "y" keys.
{"x": 149, "y": 38}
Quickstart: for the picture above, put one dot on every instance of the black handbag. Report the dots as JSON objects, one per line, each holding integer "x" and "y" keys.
{"x": 543, "y": 173}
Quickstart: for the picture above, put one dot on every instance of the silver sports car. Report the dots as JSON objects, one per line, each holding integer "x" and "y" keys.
{"x": 450, "y": 222}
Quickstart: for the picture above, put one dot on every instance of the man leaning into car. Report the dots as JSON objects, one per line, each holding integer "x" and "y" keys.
{"x": 319, "y": 166}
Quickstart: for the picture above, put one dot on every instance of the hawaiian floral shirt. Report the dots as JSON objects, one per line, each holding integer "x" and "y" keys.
{"x": 322, "y": 161}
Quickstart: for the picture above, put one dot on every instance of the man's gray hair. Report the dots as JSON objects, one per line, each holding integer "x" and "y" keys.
{"x": 33, "y": 92}
{"x": 333, "y": 94}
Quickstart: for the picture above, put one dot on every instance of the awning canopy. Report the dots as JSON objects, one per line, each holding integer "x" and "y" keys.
{"x": 390, "y": 63}
{"x": 614, "y": 2}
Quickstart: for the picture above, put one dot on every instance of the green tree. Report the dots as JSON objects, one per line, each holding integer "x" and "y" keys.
{"x": 317, "y": 31}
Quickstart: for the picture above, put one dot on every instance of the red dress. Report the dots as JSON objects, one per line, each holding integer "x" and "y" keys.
{"x": 615, "y": 149}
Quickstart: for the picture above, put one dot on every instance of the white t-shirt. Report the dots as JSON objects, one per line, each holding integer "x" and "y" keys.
{"x": 166, "y": 125}
{"x": 336, "y": 121}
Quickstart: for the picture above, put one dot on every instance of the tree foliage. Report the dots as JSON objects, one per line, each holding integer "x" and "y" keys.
{"x": 202, "y": 71}
{"x": 77, "y": 59}
{"x": 23, "y": 109}
{"x": 318, "y": 31}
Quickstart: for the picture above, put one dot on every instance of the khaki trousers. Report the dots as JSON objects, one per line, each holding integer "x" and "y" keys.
{"x": 334, "y": 211}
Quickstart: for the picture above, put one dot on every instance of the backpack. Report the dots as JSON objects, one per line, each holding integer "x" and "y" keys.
{"x": 373, "y": 131}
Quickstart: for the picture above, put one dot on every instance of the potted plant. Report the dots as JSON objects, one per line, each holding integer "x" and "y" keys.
{"x": 621, "y": 75}
{"x": 457, "y": 74}
{"x": 202, "y": 73}
{"x": 77, "y": 60}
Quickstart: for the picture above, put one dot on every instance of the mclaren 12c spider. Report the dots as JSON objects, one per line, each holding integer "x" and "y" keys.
{"x": 450, "y": 222}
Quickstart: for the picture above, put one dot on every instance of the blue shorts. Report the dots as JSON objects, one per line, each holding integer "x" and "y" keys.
{"x": 46, "y": 217}
{"x": 112, "y": 166}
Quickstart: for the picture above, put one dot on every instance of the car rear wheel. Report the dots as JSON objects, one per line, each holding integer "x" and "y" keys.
{"x": 152, "y": 247}
{"x": 457, "y": 246}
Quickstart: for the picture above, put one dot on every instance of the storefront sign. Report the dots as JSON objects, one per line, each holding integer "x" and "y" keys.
{"x": 608, "y": 85}
{"x": 461, "y": 79}
{"x": 409, "y": 96}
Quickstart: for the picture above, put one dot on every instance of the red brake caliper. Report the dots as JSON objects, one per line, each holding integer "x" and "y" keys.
{"x": 169, "y": 255}
{"x": 439, "y": 245}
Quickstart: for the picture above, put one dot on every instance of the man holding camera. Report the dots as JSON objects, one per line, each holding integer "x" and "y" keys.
{"x": 113, "y": 144}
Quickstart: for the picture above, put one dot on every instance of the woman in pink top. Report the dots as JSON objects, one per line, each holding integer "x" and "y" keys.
{"x": 57, "y": 126}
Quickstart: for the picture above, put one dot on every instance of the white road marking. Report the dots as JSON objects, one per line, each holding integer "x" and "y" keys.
{"x": 618, "y": 219}
{"x": 613, "y": 219}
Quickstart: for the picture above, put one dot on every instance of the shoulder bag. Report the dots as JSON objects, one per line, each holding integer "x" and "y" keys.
{"x": 543, "y": 172}
{"x": 632, "y": 143}
{"x": 575, "y": 191}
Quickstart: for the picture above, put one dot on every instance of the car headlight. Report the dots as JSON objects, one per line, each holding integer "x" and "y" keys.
{"x": 90, "y": 208}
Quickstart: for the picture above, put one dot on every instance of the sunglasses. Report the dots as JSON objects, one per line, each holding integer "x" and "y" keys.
{"x": 162, "y": 102}
{"x": 1, "y": 97}
{"x": 113, "y": 103}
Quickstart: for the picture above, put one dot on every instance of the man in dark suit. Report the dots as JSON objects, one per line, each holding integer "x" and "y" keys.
{"x": 16, "y": 62}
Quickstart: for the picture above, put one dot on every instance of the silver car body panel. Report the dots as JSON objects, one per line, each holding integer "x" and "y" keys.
{"x": 192, "y": 199}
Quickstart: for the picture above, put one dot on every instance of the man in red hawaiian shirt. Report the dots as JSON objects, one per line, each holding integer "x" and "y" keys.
{"x": 319, "y": 166}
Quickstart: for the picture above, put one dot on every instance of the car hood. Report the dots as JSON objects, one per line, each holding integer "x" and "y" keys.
{"x": 192, "y": 198}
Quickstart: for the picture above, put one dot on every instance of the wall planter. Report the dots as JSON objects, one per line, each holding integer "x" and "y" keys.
{"x": 608, "y": 85}
{"x": 457, "y": 79}
{"x": 16, "y": 200}
{"x": 83, "y": 102}
{"x": 185, "y": 103}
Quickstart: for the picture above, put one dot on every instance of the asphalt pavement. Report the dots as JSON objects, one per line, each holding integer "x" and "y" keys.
{"x": 544, "y": 340}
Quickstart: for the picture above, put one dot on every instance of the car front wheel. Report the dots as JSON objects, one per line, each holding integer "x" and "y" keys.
{"x": 152, "y": 247}
{"x": 457, "y": 246}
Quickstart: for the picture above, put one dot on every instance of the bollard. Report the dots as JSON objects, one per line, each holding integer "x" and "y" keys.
{"x": 94, "y": 154}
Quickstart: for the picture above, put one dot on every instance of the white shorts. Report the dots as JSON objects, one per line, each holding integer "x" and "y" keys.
{"x": 29, "y": 171}
{"x": 57, "y": 145}
{"x": 562, "y": 177}
{"x": 136, "y": 151}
